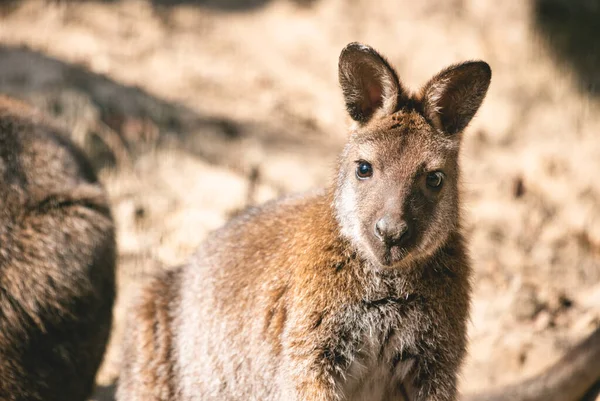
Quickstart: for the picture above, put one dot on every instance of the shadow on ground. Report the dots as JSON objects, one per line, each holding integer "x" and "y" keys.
{"x": 115, "y": 123}
{"x": 593, "y": 394}
{"x": 231, "y": 5}
{"x": 572, "y": 28}
{"x": 104, "y": 393}
{"x": 6, "y": 6}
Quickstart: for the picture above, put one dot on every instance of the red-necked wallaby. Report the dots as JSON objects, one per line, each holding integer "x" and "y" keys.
{"x": 358, "y": 292}
{"x": 57, "y": 260}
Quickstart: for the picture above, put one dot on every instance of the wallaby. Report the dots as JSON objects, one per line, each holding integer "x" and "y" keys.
{"x": 57, "y": 261}
{"x": 357, "y": 292}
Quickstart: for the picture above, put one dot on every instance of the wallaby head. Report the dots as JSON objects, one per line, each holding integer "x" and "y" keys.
{"x": 396, "y": 197}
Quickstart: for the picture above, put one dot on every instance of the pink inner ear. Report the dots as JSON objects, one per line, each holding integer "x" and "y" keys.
{"x": 375, "y": 96}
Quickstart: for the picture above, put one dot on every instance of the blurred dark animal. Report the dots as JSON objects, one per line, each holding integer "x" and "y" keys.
{"x": 57, "y": 261}
{"x": 570, "y": 28}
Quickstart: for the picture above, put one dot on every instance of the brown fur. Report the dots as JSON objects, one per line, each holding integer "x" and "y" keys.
{"x": 299, "y": 299}
{"x": 57, "y": 259}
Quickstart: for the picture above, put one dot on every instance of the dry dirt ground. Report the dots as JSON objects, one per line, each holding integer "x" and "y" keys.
{"x": 193, "y": 109}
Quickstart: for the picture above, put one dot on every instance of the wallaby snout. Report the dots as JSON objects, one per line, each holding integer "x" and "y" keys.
{"x": 392, "y": 231}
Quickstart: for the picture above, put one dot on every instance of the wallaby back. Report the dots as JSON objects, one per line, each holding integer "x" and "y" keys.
{"x": 357, "y": 292}
{"x": 57, "y": 260}
{"x": 569, "y": 379}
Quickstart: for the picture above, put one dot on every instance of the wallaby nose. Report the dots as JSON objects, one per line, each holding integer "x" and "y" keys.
{"x": 392, "y": 232}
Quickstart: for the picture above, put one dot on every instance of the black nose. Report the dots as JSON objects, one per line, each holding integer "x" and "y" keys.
{"x": 392, "y": 231}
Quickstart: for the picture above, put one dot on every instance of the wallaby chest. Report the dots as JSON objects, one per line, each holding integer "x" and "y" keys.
{"x": 376, "y": 338}
{"x": 384, "y": 353}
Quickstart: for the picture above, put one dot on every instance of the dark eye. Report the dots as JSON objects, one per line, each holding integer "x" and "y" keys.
{"x": 434, "y": 180}
{"x": 364, "y": 170}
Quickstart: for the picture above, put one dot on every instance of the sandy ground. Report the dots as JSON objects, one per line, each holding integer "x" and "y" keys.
{"x": 192, "y": 110}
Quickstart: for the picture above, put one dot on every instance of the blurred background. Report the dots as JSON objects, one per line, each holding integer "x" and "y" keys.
{"x": 192, "y": 110}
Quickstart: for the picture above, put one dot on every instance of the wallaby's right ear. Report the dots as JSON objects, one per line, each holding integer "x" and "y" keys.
{"x": 368, "y": 82}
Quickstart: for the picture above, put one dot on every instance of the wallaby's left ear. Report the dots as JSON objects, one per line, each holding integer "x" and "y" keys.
{"x": 451, "y": 98}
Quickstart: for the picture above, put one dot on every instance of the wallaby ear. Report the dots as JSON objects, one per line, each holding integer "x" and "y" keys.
{"x": 451, "y": 98}
{"x": 368, "y": 82}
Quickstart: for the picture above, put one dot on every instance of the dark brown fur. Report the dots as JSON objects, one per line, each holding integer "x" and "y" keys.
{"x": 57, "y": 260}
{"x": 299, "y": 299}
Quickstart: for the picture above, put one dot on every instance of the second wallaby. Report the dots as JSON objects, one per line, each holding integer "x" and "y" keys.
{"x": 57, "y": 262}
{"x": 358, "y": 292}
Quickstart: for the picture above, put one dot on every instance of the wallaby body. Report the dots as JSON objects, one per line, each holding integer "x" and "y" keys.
{"x": 359, "y": 292}
{"x": 57, "y": 260}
